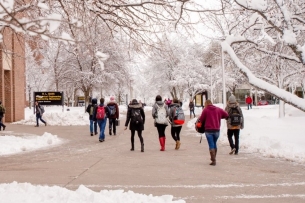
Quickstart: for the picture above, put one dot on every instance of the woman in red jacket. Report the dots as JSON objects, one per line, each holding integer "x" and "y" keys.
{"x": 211, "y": 116}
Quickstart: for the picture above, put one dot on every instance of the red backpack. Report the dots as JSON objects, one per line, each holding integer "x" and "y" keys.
{"x": 100, "y": 113}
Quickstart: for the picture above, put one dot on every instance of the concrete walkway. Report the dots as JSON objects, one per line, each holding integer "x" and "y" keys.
{"x": 185, "y": 173}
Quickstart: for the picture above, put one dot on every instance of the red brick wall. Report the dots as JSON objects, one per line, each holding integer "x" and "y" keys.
{"x": 12, "y": 85}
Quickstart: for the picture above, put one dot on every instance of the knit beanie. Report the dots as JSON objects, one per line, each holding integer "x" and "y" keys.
{"x": 232, "y": 99}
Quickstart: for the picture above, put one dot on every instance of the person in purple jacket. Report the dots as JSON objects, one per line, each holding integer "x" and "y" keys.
{"x": 211, "y": 116}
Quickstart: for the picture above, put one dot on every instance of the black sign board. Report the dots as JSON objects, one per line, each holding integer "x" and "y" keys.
{"x": 81, "y": 99}
{"x": 49, "y": 98}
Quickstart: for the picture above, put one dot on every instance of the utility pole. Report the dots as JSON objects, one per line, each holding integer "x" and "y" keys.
{"x": 211, "y": 83}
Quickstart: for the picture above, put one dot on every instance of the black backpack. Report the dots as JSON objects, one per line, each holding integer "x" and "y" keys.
{"x": 199, "y": 126}
{"x": 235, "y": 117}
{"x": 136, "y": 116}
{"x": 112, "y": 110}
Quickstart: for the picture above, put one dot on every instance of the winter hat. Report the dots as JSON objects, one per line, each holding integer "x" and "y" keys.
{"x": 94, "y": 101}
{"x": 112, "y": 98}
{"x": 232, "y": 99}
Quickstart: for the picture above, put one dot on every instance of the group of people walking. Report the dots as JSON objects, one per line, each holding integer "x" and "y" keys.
{"x": 165, "y": 115}
{"x": 98, "y": 115}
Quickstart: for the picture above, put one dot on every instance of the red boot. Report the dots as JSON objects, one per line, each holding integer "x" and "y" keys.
{"x": 162, "y": 143}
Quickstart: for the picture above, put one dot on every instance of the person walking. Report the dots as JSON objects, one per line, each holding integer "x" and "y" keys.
{"x": 39, "y": 112}
{"x": 169, "y": 102}
{"x": 90, "y": 110}
{"x": 136, "y": 120}
{"x": 2, "y": 112}
{"x": 100, "y": 115}
{"x": 160, "y": 114}
{"x": 175, "y": 128}
{"x": 211, "y": 116}
{"x": 192, "y": 108}
{"x": 235, "y": 122}
{"x": 113, "y": 115}
{"x": 249, "y": 102}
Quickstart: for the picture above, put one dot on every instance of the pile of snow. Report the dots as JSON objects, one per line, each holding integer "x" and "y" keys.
{"x": 44, "y": 194}
{"x": 59, "y": 116}
{"x": 11, "y": 144}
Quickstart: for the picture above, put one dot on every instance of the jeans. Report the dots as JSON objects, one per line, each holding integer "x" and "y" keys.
{"x": 212, "y": 138}
{"x": 249, "y": 106}
{"x": 38, "y": 116}
{"x": 93, "y": 125}
{"x": 102, "y": 125}
{"x": 230, "y": 134}
{"x": 112, "y": 125}
{"x": 192, "y": 111}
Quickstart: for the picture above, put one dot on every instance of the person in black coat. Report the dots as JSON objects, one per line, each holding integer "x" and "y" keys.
{"x": 2, "y": 112}
{"x": 136, "y": 120}
{"x": 90, "y": 110}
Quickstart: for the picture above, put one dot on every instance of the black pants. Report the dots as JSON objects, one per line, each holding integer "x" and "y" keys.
{"x": 230, "y": 134}
{"x": 175, "y": 131}
{"x": 1, "y": 124}
{"x": 161, "y": 129}
{"x": 133, "y": 132}
{"x": 112, "y": 125}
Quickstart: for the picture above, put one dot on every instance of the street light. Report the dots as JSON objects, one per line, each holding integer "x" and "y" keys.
{"x": 223, "y": 79}
{"x": 210, "y": 67}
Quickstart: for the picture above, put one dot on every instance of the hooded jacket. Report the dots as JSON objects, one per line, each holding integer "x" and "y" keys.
{"x": 116, "y": 115}
{"x": 228, "y": 110}
{"x": 172, "y": 109}
{"x": 133, "y": 126}
{"x": 211, "y": 116}
{"x": 93, "y": 104}
{"x": 157, "y": 105}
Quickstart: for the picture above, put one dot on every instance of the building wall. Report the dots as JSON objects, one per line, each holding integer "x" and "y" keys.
{"x": 12, "y": 75}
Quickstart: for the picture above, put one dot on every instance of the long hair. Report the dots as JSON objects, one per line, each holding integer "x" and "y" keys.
{"x": 158, "y": 98}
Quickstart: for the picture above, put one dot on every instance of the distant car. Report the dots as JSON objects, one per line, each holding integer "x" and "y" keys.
{"x": 262, "y": 103}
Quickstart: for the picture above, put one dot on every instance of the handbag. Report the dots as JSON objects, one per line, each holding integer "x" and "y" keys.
{"x": 117, "y": 122}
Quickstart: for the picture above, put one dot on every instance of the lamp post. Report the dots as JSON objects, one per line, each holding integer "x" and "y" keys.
{"x": 210, "y": 67}
{"x": 223, "y": 79}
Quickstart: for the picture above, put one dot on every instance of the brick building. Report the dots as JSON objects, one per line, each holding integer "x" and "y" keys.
{"x": 12, "y": 75}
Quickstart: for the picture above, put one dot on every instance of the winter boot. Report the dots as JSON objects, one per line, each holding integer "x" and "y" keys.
{"x": 142, "y": 147}
{"x": 213, "y": 157}
{"x": 161, "y": 143}
{"x": 232, "y": 151}
{"x": 178, "y": 143}
{"x": 132, "y": 147}
{"x": 110, "y": 131}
